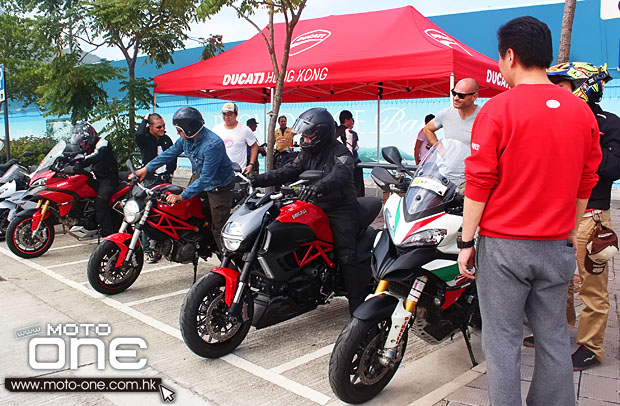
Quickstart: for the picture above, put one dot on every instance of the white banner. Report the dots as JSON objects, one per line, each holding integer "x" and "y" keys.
{"x": 610, "y": 9}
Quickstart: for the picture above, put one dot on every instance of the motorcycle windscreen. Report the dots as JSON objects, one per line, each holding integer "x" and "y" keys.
{"x": 11, "y": 174}
{"x": 51, "y": 156}
{"x": 436, "y": 180}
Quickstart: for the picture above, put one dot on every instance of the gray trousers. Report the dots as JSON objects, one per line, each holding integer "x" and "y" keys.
{"x": 531, "y": 276}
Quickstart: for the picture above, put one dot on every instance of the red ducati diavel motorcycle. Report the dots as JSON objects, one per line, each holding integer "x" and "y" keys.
{"x": 64, "y": 196}
{"x": 278, "y": 263}
{"x": 182, "y": 233}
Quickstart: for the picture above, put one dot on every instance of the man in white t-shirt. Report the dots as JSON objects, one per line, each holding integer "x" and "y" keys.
{"x": 458, "y": 120}
{"x": 421, "y": 144}
{"x": 237, "y": 137}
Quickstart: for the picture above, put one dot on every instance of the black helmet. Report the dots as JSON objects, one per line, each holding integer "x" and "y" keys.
{"x": 315, "y": 121}
{"x": 189, "y": 120}
{"x": 84, "y": 135}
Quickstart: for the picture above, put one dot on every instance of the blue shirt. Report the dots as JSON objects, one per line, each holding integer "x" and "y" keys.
{"x": 207, "y": 154}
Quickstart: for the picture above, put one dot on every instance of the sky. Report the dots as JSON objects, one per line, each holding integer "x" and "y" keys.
{"x": 227, "y": 23}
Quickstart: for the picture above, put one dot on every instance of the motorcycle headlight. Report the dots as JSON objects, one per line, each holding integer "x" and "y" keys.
{"x": 131, "y": 211}
{"x": 425, "y": 238}
{"x": 232, "y": 236}
{"x": 39, "y": 182}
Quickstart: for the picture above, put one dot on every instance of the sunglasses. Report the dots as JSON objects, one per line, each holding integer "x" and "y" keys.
{"x": 461, "y": 95}
{"x": 159, "y": 127}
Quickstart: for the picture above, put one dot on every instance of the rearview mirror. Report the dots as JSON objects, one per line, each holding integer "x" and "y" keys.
{"x": 311, "y": 175}
{"x": 27, "y": 154}
{"x": 130, "y": 166}
{"x": 383, "y": 178}
{"x": 392, "y": 155}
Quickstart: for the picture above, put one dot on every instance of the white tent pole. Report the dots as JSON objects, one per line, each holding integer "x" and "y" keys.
{"x": 264, "y": 122}
{"x": 378, "y": 126}
{"x": 451, "y": 82}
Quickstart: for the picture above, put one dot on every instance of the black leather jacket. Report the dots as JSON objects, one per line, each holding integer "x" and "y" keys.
{"x": 609, "y": 169}
{"x": 336, "y": 187}
{"x": 148, "y": 144}
{"x": 103, "y": 161}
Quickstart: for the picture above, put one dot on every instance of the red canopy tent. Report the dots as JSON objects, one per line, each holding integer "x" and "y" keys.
{"x": 389, "y": 54}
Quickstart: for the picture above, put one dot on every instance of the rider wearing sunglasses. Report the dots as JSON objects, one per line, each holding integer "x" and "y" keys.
{"x": 152, "y": 140}
{"x": 457, "y": 120}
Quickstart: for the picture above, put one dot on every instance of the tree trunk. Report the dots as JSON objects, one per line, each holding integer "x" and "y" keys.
{"x": 567, "y": 29}
{"x": 132, "y": 98}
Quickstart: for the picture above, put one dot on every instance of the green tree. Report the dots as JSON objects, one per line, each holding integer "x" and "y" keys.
{"x": 38, "y": 145}
{"x": 153, "y": 27}
{"x": 291, "y": 11}
{"x": 23, "y": 50}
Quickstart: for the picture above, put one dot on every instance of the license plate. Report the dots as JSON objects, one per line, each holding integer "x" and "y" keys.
{"x": 430, "y": 184}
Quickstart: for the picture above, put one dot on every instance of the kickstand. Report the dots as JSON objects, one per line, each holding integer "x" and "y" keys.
{"x": 195, "y": 262}
{"x": 466, "y": 335}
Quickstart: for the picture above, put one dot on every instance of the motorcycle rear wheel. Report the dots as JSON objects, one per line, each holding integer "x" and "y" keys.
{"x": 108, "y": 279}
{"x": 204, "y": 326}
{"x": 19, "y": 237}
{"x": 355, "y": 374}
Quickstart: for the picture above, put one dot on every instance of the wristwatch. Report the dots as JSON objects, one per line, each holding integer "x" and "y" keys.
{"x": 252, "y": 163}
{"x": 464, "y": 244}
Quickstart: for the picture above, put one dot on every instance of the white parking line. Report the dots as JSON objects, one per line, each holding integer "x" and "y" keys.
{"x": 152, "y": 298}
{"x": 277, "y": 379}
{"x": 66, "y": 246}
{"x": 303, "y": 359}
{"x": 82, "y": 261}
{"x": 256, "y": 370}
{"x": 159, "y": 268}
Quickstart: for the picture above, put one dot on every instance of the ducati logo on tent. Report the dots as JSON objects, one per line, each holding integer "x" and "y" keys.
{"x": 308, "y": 40}
{"x": 444, "y": 39}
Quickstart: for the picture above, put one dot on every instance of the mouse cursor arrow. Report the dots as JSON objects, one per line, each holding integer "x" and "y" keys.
{"x": 167, "y": 395}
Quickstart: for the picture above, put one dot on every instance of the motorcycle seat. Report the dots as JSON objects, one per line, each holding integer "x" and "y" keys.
{"x": 369, "y": 210}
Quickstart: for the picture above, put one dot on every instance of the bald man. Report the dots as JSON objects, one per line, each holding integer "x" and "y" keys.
{"x": 457, "y": 120}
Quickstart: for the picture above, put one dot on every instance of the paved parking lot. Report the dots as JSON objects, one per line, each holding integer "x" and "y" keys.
{"x": 283, "y": 364}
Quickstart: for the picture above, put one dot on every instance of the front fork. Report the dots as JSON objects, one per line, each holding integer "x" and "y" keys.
{"x": 400, "y": 318}
{"x": 137, "y": 230}
{"x": 46, "y": 205}
{"x": 244, "y": 278}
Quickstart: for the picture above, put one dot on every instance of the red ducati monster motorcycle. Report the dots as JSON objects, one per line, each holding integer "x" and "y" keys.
{"x": 182, "y": 233}
{"x": 278, "y": 263}
{"x": 64, "y": 196}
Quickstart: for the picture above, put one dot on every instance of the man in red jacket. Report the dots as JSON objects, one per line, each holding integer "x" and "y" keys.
{"x": 526, "y": 196}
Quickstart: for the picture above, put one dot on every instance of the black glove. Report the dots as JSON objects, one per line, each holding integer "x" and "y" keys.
{"x": 309, "y": 193}
{"x": 77, "y": 166}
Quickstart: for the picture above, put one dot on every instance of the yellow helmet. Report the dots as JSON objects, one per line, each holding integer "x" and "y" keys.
{"x": 587, "y": 80}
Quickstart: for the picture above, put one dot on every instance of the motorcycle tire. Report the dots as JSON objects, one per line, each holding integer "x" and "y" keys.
{"x": 355, "y": 374}
{"x": 118, "y": 279}
{"x": 19, "y": 237}
{"x": 204, "y": 326}
{"x": 4, "y": 222}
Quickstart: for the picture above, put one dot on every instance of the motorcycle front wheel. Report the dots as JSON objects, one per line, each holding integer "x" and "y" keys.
{"x": 355, "y": 373}
{"x": 20, "y": 241}
{"x": 4, "y": 222}
{"x": 103, "y": 274}
{"x": 205, "y": 326}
